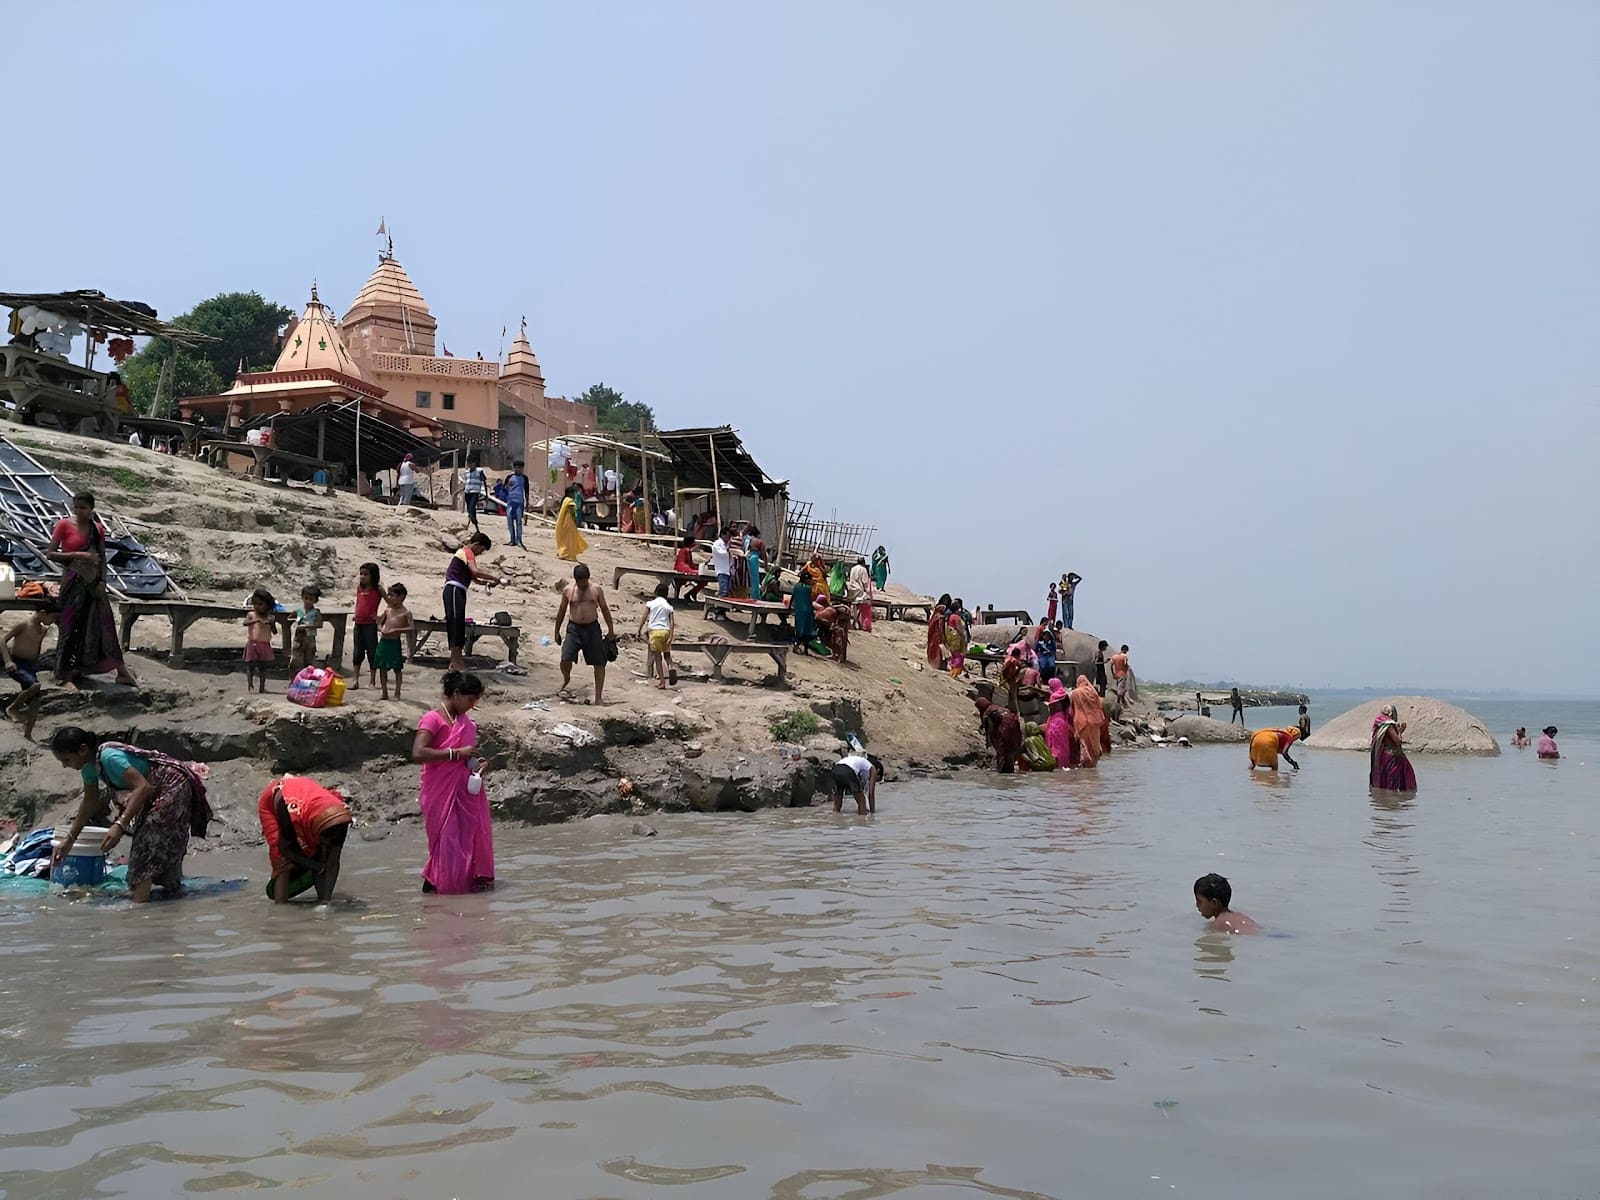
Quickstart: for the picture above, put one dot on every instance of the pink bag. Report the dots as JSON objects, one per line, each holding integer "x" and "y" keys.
{"x": 317, "y": 687}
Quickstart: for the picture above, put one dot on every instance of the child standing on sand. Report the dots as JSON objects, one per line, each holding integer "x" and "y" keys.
{"x": 307, "y": 620}
{"x": 259, "y": 626}
{"x": 21, "y": 650}
{"x": 663, "y": 624}
{"x": 369, "y": 598}
{"x": 1212, "y": 894}
{"x": 392, "y": 625}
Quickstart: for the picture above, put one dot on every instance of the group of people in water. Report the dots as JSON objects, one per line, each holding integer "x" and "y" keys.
{"x": 158, "y": 802}
{"x": 1546, "y": 747}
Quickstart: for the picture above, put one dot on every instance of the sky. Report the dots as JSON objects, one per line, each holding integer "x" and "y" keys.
{"x": 1274, "y": 321}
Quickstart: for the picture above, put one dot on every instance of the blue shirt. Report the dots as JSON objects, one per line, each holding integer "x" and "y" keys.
{"x": 114, "y": 764}
{"x": 516, "y": 489}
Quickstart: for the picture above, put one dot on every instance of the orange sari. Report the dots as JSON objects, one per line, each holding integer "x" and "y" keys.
{"x": 1089, "y": 722}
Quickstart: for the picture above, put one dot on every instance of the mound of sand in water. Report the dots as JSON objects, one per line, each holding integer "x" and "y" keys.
{"x": 1432, "y": 727}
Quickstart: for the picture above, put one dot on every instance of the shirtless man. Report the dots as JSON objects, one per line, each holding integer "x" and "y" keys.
{"x": 21, "y": 650}
{"x": 1212, "y": 894}
{"x": 1119, "y": 673}
{"x": 585, "y": 603}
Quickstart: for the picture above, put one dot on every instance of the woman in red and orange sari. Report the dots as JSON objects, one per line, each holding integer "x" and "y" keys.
{"x": 1089, "y": 722}
{"x": 937, "y": 623}
{"x": 304, "y": 825}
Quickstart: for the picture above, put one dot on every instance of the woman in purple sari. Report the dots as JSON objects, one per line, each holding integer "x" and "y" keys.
{"x": 456, "y": 819}
{"x": 1391, "y": 769}
{"x": 87, "y": 642}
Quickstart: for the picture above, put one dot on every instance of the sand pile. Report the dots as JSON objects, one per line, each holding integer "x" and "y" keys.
{"x": 1432, "y": 727}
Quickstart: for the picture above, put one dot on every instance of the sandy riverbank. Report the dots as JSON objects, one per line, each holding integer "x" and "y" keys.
{"x": 704, "y": 745}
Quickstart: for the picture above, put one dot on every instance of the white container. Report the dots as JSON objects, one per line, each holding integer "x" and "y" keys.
{"x": 85, "y": 863}
{"x": 8, "y": 582}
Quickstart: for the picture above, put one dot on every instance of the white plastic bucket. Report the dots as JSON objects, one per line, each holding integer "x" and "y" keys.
{"x": 85, "y": 864}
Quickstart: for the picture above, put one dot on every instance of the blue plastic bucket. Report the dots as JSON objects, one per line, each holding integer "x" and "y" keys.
{"x": 84, "y": 865}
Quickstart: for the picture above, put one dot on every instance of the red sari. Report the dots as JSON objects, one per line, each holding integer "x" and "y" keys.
{"x": 936, "y": 625}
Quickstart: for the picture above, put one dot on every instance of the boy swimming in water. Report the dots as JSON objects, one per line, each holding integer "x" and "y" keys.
{"x": 1212, "y": 894}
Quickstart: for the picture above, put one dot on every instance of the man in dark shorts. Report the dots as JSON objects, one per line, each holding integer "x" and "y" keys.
{"x": 585, "y": 603}
{"x": 857, "y": 774}
{"x": 1236, "y": 702}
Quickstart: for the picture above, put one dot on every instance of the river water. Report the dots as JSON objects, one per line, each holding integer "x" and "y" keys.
{"x": 995, "y": 987}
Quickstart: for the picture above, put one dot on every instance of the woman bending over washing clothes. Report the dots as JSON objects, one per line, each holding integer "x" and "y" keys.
{"x": 1002, "y": 730}
{"x": 159, "y": 800}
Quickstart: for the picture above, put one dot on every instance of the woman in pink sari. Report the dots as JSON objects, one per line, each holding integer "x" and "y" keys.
{"x": 1058, "y": 734}
{"x": 460, "y": 838}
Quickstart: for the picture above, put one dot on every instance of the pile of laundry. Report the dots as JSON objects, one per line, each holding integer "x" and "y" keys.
{"x": 27, "y": 855}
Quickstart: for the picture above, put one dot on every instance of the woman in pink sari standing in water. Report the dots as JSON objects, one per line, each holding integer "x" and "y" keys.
{"x": 460, "y": 838}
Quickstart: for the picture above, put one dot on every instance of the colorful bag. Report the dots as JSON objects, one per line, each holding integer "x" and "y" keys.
{"x": 317, "y": 687}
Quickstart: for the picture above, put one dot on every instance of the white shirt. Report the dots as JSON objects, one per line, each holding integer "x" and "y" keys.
{"x": 133, "y": 439}
{"x": 408, "y": 474}
{"x": 720, "y": 562}
{"x": 611, "y": 480}
{"x": 860, "y": 766}
{"x": 476, "y": 480}
{"x": 660, "y": 613}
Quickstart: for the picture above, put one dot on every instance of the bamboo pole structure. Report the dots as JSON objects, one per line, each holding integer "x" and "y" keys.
{"x": 644, "y": 483}
{"x": 716, "y": 487}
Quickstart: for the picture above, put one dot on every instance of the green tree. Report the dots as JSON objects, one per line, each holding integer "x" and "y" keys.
{"x": 246, "y": 328}
{"x": 613, "y": 412}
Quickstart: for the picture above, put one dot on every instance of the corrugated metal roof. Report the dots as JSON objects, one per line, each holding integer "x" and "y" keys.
{"x": 692, "y": 458}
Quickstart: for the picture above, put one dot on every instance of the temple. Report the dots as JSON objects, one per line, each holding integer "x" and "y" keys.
{"x": 314, "y": 367}
{"x": 385, "y": 355}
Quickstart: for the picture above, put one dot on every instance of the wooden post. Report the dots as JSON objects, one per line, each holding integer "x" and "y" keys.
{"x": 783, "y": 531}
{"x": 644, "y": 483}
{"x": 617, "y": 454}
{"x": 322, "y": 436}
{"x": 716, "y": 488}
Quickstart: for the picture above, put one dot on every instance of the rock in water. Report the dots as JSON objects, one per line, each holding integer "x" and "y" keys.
{"x": 1432, "y": 727}
{"x": 1205, "y": 729}
{"x": 640, "y": 829}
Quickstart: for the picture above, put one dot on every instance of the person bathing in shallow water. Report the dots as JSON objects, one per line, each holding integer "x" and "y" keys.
{"x": 1212, "y": 895}
{"x": 1547, "y": 743}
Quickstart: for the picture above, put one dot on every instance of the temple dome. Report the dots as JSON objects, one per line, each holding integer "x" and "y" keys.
{"x": 522, "y": 360}
{"x": 314, "y": 344}
{"x": 388, "y": 285}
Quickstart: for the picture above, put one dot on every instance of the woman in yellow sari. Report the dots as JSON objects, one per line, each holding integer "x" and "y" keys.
{"x": 570, "y": 544}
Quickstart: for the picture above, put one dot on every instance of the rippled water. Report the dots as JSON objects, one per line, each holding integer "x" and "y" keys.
{"x": 991, "y": 989}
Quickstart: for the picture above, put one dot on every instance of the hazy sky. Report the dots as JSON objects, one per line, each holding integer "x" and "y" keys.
{"x": 1277, "y": 322}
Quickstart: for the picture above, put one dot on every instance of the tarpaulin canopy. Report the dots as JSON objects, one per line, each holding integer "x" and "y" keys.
{"x": 328, "y": 432}
{"x": 694, "y": 451}
{"x": 96, "y": 310}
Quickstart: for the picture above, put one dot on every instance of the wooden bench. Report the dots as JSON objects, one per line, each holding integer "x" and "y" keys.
{"x": 509, "y": 635}
{"x": 675, "y": 581}
{"x": 718, "y": 653}
{"x": 753, "y": 612}
{"x": 895, "y": 610}
{"x": 183, "y": 614}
